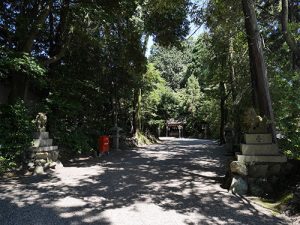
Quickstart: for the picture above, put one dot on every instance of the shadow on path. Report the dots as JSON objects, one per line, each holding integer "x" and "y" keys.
{"x": 177, "y": 182}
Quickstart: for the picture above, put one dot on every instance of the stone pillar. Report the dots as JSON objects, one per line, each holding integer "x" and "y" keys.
{"x": 116, "y": 137}
{"x": 180, "y": 131}
{"x": 167, "y": 129}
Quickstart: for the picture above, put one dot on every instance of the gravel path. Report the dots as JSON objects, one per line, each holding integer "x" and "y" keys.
{"x": 174, "y": 183}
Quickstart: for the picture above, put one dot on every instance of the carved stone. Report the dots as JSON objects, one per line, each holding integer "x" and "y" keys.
{"x": 41, "y": 121}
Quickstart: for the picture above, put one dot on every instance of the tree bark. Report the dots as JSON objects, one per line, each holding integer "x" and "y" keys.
{"x": 137, "y": 100}
{"x": 235, "y": 105}
{"x": 232, "y": 71}
{"x": 57, "y": 51}
{"x": 20, "y": 82}
{"x": 222, "y": 111}
{"x": 257, "y": 64}
{"x": 291, "y": 42}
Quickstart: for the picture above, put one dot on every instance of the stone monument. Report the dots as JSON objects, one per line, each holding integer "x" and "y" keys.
{"x": 42, "y": 155}
{"x": 258, "y": 143}
{"x": 259, "y": 162}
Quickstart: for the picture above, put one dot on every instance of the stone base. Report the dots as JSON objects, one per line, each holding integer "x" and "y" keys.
{"x": 44, "y": 149}
{"x": 258, "y": 169}
{"x": 258, "y": 149}
{"x": 42, "y": 155}
{"x": 262, "y": 158}
{"x": 262, "y": 178}
{"x": 259, "y": 164}
{"x": 42, "y": 142}
{"x": 41, "y": 135}
{"x": 258, "y": 138}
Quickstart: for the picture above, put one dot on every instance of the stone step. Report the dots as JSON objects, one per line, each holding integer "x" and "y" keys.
{"x": 258, "y": 138}
{"x": 259, "y": 149}
{"x": 41, "y": 135}
{"x": 42, "y": 142}
{"x": 44, "y": 149}
{"x": 262, "y": 158}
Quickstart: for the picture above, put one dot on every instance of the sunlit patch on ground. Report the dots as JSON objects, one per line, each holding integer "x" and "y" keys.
{"x": 177, "y": 183}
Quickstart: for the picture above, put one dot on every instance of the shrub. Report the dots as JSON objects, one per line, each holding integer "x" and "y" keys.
{"x": 291, "y": 145}
{"x": 16, "y": 131}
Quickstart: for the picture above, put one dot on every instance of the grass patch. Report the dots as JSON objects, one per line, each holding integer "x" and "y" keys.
{"x": 142, "y": 139}
{"x": 276, "y": 205}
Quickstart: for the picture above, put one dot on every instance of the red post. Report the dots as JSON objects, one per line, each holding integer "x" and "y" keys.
{"x": 103, "y": 144}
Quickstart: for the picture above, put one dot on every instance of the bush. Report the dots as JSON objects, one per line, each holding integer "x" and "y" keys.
{"x": 16, "y": 131}
{"x": 291, "y": 145}
{"x": 77, "y": 142}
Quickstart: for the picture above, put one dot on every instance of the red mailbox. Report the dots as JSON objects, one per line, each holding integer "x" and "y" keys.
{"x": 103, "y": 144}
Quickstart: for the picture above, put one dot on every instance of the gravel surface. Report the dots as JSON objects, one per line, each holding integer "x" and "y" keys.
{"x": 173, "y": 183}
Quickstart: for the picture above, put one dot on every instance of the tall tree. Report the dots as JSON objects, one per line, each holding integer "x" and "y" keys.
{"x": 260, "y": 84}
{"x": 290, "y": 40}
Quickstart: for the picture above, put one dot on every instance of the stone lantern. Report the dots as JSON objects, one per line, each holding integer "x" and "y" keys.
{"x": 42, "y": 155}
{"x": 115, "y": 133}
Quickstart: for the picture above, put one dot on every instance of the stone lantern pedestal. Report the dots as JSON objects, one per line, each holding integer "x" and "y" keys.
{"x": 260, "y": 148}
{"x": 42, "y": 155}
{"x": 259, "y": 164}
{"x": 115, "y": 133}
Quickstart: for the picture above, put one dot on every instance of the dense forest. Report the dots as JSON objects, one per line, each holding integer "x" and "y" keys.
{"x": 84, "y": 64}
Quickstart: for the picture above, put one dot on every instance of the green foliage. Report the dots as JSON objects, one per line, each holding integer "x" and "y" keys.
{"x": 94, "y": 57}
{"x": 103, "y": 45}
{"x": 74, "y": 123}
{"x": 286, "y": 98}
{"x": 77, "y": 142}
{"x": 172, "y": 64}
{"x": 167, "y": 20}
{"x": 276, "y": 205}
{"x": 15, "y": 62}
{"x": 169, "y": 105}
{"x": 153, "y": 91}
{"x": 16, "y": 130}
{"x": 182, "y": 97}
{"x": 191, "y": 99}
{"x": 142, "y": 139}
{"x": 5, "y": 165}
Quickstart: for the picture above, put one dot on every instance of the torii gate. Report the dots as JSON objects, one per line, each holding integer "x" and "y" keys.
{"x": 174, "y": 128}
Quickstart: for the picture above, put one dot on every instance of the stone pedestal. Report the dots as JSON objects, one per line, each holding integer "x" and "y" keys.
{"x": 260, "y": 162}
{"x": 259, "y": 148}
{"x": 116, "y": 137}
{"x": 42, "y": 155}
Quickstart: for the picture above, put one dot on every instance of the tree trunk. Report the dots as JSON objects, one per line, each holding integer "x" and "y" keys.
{"x": 20, "y": 82}
{"x": 232, "y": 71}
{"x": 235, "y": 105}
{"x": 222, "y": 112}
{"x": 61, "y": 38}
{"x": 137, "y": 100}
{"x": 289, "y": 39}
{"x": 257, "y": 64}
